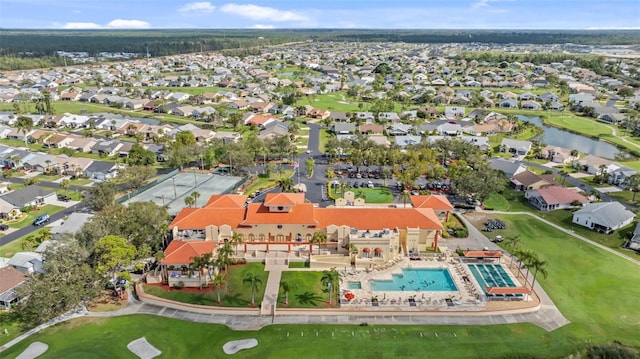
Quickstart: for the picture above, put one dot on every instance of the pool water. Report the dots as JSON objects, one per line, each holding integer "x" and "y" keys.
{"x": 491, "y": 275}
{"x": 414, "y": 279}
{"x": 354, "y": 285}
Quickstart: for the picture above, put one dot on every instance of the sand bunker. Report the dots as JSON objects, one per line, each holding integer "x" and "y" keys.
{"x": 235, "y": 346}
{"x": 143, "y": 349}
{"x": 33, "y": 351}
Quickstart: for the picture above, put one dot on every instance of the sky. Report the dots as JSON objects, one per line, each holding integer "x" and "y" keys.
{"x": 276, "y": 14}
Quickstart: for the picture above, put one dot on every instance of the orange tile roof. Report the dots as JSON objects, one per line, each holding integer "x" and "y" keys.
{"x": 508, "y": 290}
{"x": 483, "y": 254}
{"x": 283, "y": 199}
{"x": 226, "y": 201}
{"x": 261, "y": 119}
{"x": 302, "y": 213}
{"x": 435, "y": 202}
{"x": 378, "y": 218}
{"x": 199, "y": 218}
{"x": 183, "y": 252}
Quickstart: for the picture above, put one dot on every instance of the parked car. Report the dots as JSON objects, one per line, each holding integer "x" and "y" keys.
{"x": 3, "y": 227}
{"x": 64, "y": 198}
{"x": 41, "y": 220}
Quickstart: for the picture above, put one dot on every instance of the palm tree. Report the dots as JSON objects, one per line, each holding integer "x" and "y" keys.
{"x": 527, "y": 257}
{"x": 405, "y": 196}
{"x": 195, "y": 195}
{"x": 564, "y": 175}
{"x": 286, "y": 287}
{"x": 319, "y": 238}
{"x": 198, "y": 264}
{"x": 24, "y": 124}
{"x": 253, "y": 280}
{"x": 236, "y": 239}
{"x": 539, "y": 266}
{"x": 329, "y": 278}
{"x": 218, "y": 282}
{"x": 64, "y": 184}
{"x": 189, "y": 201}
{"x": 286, "y": 184}
{"x": 353, "y": 252}
{"x": 224, "y": 253}
{"x": 513, "y": 241}
{"x": 633, "y": 184}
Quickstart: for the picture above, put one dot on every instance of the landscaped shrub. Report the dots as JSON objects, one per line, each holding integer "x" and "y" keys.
{"x": 461, "y": 232}
{"x": 178, "y": 285}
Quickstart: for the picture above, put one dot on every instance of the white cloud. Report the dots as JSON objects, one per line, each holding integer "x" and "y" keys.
{"x": 202, "y": 7}
{"x": 128, "y": 24}
{"x": 256, "y": 12}
{"x": 81, "y": 25}
{"x": 114, "y": 24}
{"x": 262, "y": 26}
{"x": 485, "y": 3}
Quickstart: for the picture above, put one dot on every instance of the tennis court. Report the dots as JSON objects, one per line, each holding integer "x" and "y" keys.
{"x": 174, "y": 190}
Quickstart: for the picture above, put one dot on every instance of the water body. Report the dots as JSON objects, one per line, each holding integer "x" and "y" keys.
{"x": 561, "y": 138}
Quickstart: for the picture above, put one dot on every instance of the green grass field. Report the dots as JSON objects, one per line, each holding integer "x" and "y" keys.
{"x": 234, "y": 293}
{"x": 308, "y": 292}
{"x": 371, "y": 195}
{"x": 28, "y": 219}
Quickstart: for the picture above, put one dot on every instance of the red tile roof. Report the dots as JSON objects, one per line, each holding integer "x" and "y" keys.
{"x": 302, "y": 213}
{"x": 226, "y": 201}
{"x": 199, "y": 218}
{"x": 435, "y": 202}
{"x": 283, "y": 199}
{"x": 378, "y": 218}
{"x": 183, "y": 252}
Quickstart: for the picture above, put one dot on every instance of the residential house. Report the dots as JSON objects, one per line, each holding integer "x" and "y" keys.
{"x": 399, "y": 129}
{"x": 530, "y": 105}
{"x": 379, "y": 140}
{"x": 30, "y": 196}
{"x": 343, "y": 128}
{"x": 593, "y": 165}
{"x": 101, "y": 170}
{"x": 528, "y": 180}
{"x": 318, "y": 114}
{"x": 510, "y": 167}
{"x": 260, "y": 121}
{"x": 407, "y": 140}
{"x": 612, "y": 118}
{"x": 508, "y": 103}
{"x": 557, "y": 154}
{"x": 40, "y": 162}
{"x": 71, "y": 166}
{"x": 550, "y": 198}
{"x": 71, "y": 225}
{"x": 106, "y": 148}
{"x": 10, "y": 279}
{"x": 337, "y": 116}
{"x": 603, "y": 217}
{"x": 371, "y": 129}
{"x": 517, "y": 147}
{"x": 618, "y": 175}
{"x": 81, "y": 144}
{"x": 454, "y": 111}
{"x": 274, "y": 129}
{"x": 392, "y": 117}
{"x": 449, "y": 129}
{"x": 27, "y": 262}
{"x": 8, "y": 210}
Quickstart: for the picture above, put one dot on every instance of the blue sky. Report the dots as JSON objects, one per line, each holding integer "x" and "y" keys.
{"x": 379, "y": 14}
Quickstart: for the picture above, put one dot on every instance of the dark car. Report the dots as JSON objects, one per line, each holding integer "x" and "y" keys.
{"x": 64, "y": 198}
{"x": 41, "y": 220}
{"x": 3, "y": 227}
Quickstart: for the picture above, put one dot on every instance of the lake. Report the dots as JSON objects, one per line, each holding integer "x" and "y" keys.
{"x": 561, "y": 138}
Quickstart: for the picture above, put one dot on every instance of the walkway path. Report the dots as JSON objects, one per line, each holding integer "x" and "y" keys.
{"x": 270, "y": 298}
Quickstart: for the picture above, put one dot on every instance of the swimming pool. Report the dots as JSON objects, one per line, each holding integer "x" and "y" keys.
{"x": 354, "y": 285}
{"x": 414, "y": 279}
{"x": 491, "y": 275}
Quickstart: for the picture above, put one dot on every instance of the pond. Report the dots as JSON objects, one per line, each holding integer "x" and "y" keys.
{"x": 561, "y": 138}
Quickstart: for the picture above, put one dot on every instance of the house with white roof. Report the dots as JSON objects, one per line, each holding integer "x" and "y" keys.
{"x": 603, "y": 217}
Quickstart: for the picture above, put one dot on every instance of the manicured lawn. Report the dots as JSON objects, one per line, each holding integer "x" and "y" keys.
{"x": 371, "y": 195}
{"x": 234, "y": 294}
{"x": 497, "y": 202}
{"x": 8, "y": 250}
{"x": 28, "y": 219}
{"x": 299, "y": 264}
{"x": 12, "y": 327}
{"x": 80, "y": 182}
{"x": 627, "y": 197}
{"x": 48, "y": 178}
{"x": 266, "y": 182}
{"x": 308, "y": 292}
